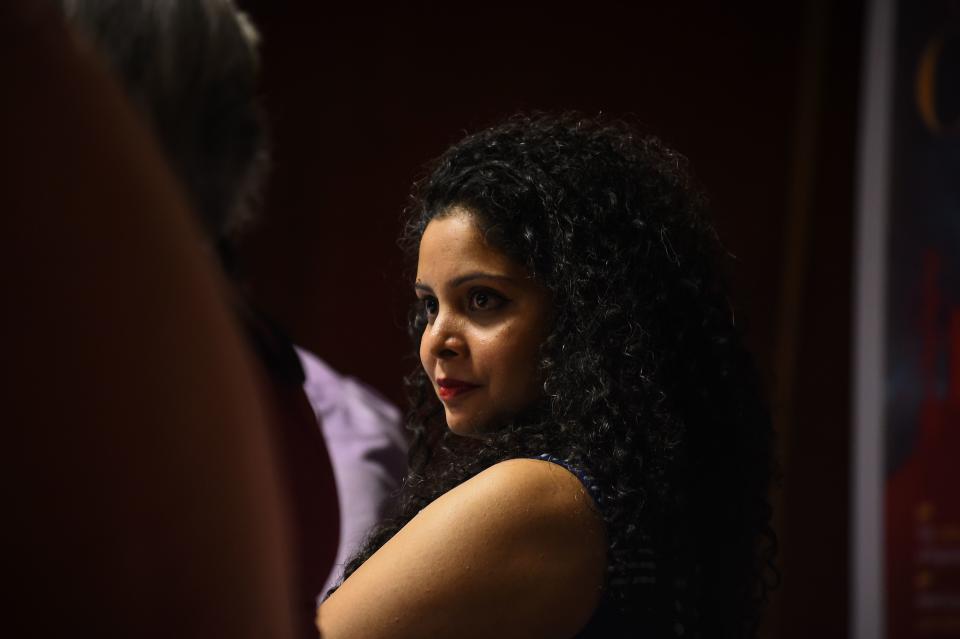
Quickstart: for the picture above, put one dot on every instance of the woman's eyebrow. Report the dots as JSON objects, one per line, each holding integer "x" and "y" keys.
{"x": 478, "y": 275}
{"x": 463, "y": 279}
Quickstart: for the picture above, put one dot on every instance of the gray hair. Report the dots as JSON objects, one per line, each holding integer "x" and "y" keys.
{"x": 190, "y": 66}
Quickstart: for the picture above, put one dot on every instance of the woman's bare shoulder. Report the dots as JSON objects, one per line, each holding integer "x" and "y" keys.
{"x": 518, "y": 550}
{"x": 532, "y": 488}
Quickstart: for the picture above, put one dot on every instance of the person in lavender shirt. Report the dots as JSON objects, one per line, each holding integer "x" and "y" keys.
{"x": 367, "y": 448}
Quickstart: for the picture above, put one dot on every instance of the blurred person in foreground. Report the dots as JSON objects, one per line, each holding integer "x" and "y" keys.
{"x": 139, "y": 486}
{"x": 191, "y": 68}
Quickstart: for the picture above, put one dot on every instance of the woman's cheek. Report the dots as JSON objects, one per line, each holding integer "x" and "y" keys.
{"x": 425, "y": 360}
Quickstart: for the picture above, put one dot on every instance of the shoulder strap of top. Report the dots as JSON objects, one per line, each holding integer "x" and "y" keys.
{"x": 588, "y": 481}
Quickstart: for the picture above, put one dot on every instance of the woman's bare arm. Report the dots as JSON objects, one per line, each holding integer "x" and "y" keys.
{"x": 517, "y": 551}
{"x": 138, "y": 487}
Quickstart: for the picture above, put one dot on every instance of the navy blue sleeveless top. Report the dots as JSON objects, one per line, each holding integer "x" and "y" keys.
{"x": 606, "y": 622}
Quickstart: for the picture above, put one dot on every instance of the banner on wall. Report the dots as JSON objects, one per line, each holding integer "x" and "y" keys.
{"x": 906, "y": 543}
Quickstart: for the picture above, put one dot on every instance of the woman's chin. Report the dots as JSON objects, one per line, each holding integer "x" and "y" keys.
{"x": 467, "y": 423}
{"x": 480, "y": 423}
{"x": 464, "y": 427}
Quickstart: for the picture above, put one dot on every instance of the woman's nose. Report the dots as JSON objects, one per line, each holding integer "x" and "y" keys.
{"x": 446, "y": 338}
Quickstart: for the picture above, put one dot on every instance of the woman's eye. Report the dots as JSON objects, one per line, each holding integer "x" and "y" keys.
{"x": 430, "y": 306}
{"x": 485, "y": 300}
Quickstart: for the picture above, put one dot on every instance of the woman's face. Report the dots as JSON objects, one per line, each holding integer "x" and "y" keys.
{"x": 486, "y": 319}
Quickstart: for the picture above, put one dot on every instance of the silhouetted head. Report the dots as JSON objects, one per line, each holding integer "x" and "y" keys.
{"x": 190, "y": 67}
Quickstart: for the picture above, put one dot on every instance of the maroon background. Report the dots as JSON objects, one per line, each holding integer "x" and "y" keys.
{"x": 761, "y": 98}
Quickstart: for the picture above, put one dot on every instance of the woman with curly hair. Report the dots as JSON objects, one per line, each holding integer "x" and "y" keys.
{"x": 591, "y": 453}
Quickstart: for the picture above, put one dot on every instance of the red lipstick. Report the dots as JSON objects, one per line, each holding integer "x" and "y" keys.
{"x": 450, "y": 388}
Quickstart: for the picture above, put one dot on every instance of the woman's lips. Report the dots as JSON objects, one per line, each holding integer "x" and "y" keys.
{"x": 449, "y": 388}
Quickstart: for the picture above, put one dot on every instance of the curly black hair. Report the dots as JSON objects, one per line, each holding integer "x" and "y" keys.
{"x": 646, "y": 382}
